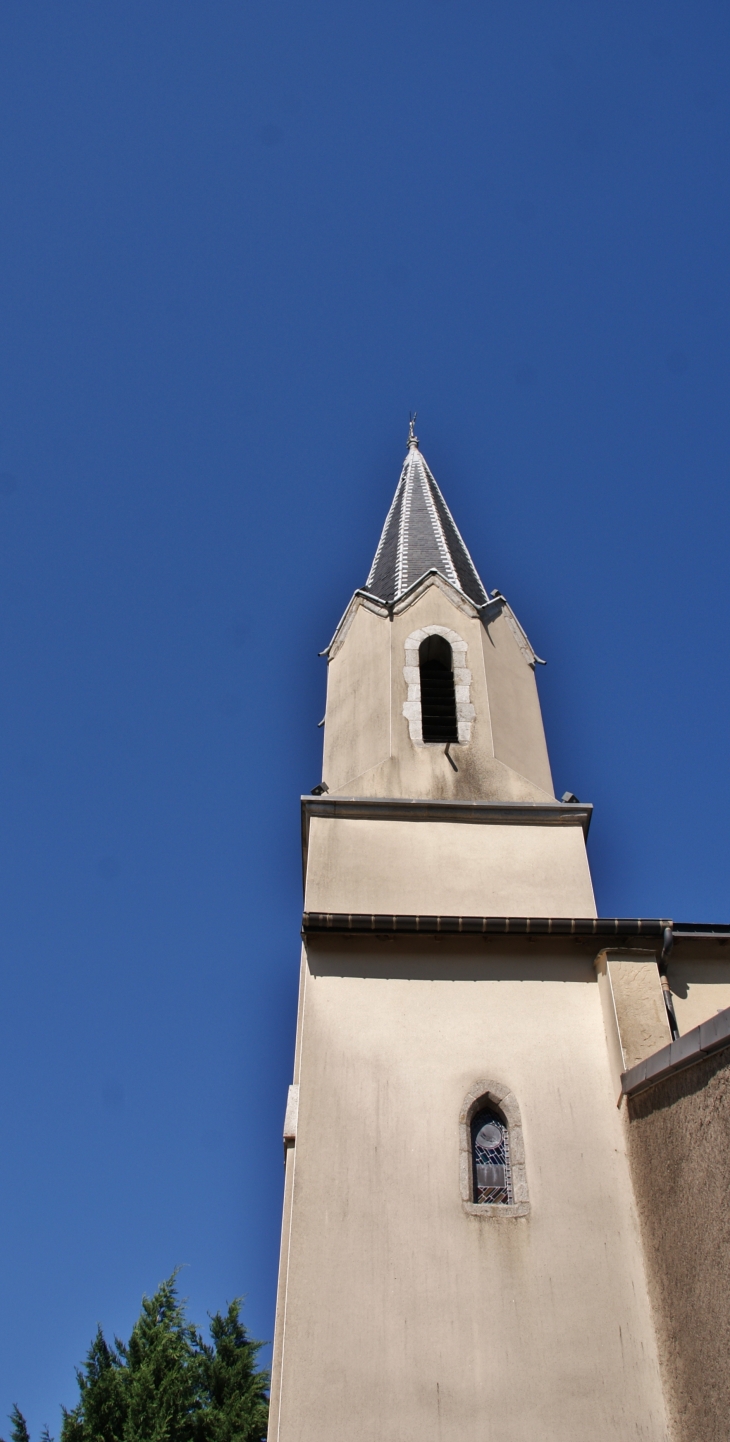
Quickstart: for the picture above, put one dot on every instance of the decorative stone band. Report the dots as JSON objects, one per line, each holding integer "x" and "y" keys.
{"x": 465, "y": 712}
{"x": 319, "y": 922}
{"x": 686, "y": 1051}
{"x": 484, "y": 813}
{"x": 493, "y": 1094}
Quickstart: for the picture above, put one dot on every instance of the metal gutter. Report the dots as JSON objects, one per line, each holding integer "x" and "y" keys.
{"x": 316, "y": 923}
{"x": 698, "y": 931}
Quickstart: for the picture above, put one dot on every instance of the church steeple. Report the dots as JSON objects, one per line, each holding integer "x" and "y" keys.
{"x": 447, "y": 993}
{"x": 419, "y": 536}
{"x": 431, "y": 686}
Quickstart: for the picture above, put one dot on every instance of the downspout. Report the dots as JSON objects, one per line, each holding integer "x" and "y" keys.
{"x": 666, "y": 989}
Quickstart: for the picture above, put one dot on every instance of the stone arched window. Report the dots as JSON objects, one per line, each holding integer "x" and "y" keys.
{"x": 438, "y": 697}
{"x": 492, "y": 1153}
{"x": 422, "y": 647}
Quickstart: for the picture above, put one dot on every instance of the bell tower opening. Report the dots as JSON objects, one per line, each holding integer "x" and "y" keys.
{"x": 438, "y": 697}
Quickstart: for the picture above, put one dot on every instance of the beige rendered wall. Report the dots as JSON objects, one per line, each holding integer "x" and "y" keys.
{"x": 447, "y": 868}
{"x": 634, "y": 1014}
{"x": 679, "y": 1140}
{"x": 640, "y": 1011}
{"x": 408, "y": 1320}
{"x": 641, "y": 1015}
{"x": 368, "y": 748}
{"x": 517, "y": 730}
{"x": 700, "y": 987}
{"x": 357, "y": 719}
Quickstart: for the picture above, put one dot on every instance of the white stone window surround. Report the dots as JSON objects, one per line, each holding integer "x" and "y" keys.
{"x": 485, "y": 1094}
{"x": 465, "y": 712}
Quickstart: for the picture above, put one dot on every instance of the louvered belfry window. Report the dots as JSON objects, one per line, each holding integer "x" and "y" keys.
{"x": 490, "y": 1159}
{"x": 438, "y": 699}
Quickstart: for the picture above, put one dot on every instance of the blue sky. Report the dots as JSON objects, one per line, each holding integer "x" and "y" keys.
{"x": 238, "y": 243}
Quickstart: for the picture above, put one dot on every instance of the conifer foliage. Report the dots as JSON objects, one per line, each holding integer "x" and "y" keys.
{"x": 167, "y": 1384}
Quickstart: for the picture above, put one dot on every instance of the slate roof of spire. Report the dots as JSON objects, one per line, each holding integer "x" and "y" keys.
{"x": 420, "y": 535}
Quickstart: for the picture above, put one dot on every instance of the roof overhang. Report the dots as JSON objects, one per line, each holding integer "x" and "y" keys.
{"x": 623, "y": 930}
{"x": 321, "y": 923}
{"x": 486, "y": 612}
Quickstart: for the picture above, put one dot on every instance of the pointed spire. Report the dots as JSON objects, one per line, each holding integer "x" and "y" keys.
{"x": 420, "y": 535}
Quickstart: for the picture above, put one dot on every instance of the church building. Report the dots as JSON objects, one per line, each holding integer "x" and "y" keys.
{"x": 506, "y": 1142}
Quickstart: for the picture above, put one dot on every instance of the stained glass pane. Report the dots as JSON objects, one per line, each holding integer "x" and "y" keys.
{"x": 490, "y": 1157}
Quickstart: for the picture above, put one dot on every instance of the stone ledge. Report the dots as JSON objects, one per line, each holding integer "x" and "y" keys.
{"x": 686, "y": 1051}
{"x": 502, "y": 1210}
{"x": 484, "y": 813}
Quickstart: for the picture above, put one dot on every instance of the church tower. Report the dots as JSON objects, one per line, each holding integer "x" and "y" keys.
{"x": 460, "y": 1255}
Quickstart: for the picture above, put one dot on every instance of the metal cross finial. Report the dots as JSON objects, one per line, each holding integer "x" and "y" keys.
{"x": 412, "y": 437}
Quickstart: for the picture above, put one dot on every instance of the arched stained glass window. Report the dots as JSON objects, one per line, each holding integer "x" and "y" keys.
{"x": 490, "y": 1159}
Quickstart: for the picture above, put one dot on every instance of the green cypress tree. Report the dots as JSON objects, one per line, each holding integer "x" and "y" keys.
{"x": 167, "y": 1385}
{"x": 20, "y": 1428}
{"x": 19, "y": 1431}
{"x": 101, "y": 1411}
{"x": 161, "y": 1372}
{"x": 236, "y": 1402}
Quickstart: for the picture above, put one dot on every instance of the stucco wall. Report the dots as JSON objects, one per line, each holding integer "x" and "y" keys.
{"x": 357, "y": 724}
{"x": 640, "y": 1011}
{"x": 700, "y": 985}
{"x": 408, "y": 1319}
{"x": 446, "y": 868}
{"x": 517, "y": 729}
{"x": 679, "y": 1145}
{"x": 368, "y": 748}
